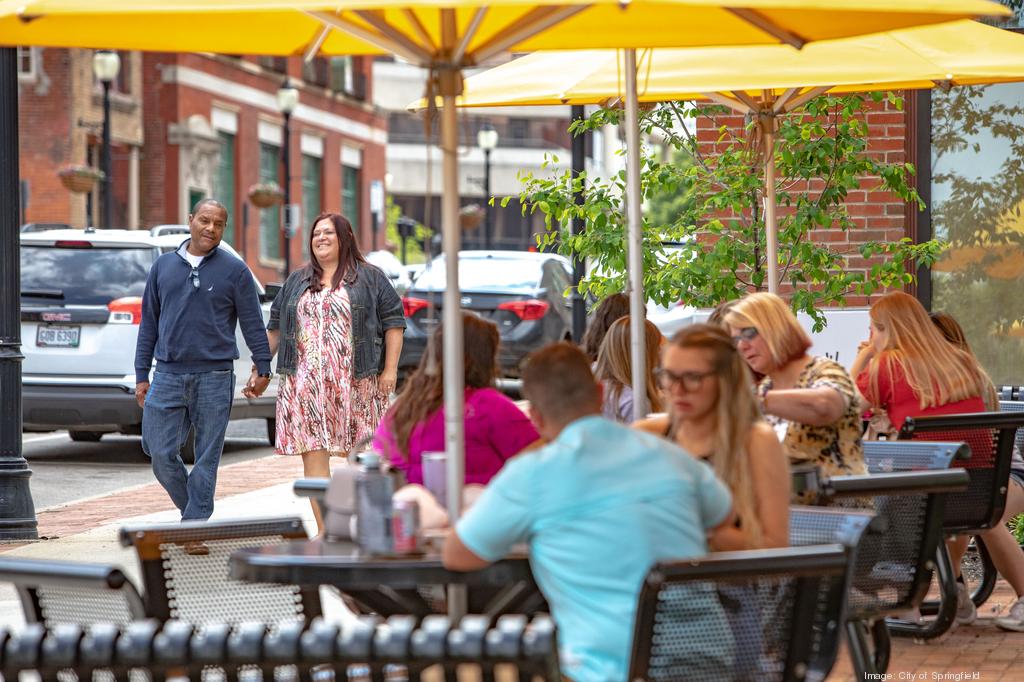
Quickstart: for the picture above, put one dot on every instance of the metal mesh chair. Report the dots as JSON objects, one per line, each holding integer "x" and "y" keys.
{"x": 758, "y": 615}
{"x": 185, "y": 572}
{"x": 894, "y": 559}
{"x": 65, "y": 592}
{"x": 1014, "y": 406}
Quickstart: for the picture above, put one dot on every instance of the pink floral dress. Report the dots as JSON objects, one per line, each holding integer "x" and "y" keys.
{"x": 321, "y": 406}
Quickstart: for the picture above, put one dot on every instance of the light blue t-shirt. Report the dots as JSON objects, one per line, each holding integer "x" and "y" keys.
{"x": 598, "y": 507}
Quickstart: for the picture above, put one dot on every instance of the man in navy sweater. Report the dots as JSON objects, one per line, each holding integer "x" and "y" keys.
{"x": 194, "y": 298}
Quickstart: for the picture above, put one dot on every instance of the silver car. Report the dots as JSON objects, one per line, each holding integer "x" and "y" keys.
{"x": 81, "y": 304}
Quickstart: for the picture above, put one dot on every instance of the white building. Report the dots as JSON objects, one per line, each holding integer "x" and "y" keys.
{"x": 525, "y": 136}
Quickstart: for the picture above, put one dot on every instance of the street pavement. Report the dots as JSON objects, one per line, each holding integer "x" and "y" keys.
{"x": 86, "y": 530}
{"x": 64, "y": 471}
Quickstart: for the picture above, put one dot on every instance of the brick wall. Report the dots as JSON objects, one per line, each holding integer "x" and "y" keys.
{"x": 877, "y": 215}
{"x": 169, "y": 103}
{"x": 44, "y": 138}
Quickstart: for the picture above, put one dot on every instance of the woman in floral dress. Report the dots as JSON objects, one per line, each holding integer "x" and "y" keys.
{"x": 337, "y": 325}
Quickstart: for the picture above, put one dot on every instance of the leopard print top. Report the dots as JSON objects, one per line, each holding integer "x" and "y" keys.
{"x": 836, "y": 449}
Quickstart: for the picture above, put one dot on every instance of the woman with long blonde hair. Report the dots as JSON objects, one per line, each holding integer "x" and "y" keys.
{"x": 913, "y": 365}
{"x": 908, "y": 368}
{"x": 713, "y": 415}
{"x": 615, "y": 370}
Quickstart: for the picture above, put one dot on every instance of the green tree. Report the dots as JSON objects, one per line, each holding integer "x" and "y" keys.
{"x": 414, "y": 246}
{"x": 710, "y": 203}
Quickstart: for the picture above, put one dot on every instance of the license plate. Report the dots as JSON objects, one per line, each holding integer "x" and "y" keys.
{"x": 58, "y": 336}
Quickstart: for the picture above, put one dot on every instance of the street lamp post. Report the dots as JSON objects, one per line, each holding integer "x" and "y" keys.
{"x": 17, "y": 512}
{"x": 287, "y": 100}
{"x": 105, "y": 66}
{"x": 487, "y": 140}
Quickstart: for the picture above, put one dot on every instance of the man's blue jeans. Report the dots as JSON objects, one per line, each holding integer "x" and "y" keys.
{"x": 175, "y": 402}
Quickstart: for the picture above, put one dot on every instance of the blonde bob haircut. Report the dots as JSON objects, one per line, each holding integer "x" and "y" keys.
{"x": 786, "y": 339}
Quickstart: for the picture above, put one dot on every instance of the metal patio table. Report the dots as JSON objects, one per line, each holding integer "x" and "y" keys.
{"x": 391, "y": 585}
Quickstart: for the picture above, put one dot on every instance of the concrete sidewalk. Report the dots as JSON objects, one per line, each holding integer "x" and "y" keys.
{"x": 87, "y": 531}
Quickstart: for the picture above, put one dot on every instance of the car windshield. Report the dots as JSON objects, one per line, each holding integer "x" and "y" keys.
{"x": 487, "y": 273}
{"x": 83, "y": 276}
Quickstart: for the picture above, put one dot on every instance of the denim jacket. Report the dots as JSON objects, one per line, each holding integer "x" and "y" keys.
{"x": 376, "y": 308}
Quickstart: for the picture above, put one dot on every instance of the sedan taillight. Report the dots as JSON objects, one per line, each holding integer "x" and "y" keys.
{"x": 411, "y": 306}
{"x": 530, "y": 309}
{"x": 127, "y": 310}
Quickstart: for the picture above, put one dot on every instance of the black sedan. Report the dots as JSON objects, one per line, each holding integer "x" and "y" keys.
{"x": 524, "y": 293}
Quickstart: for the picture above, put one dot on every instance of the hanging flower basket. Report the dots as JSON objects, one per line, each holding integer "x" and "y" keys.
{"x": 265, "y": 195}
{"x": 79, "y": 178}
{"x": 471, "y": 216}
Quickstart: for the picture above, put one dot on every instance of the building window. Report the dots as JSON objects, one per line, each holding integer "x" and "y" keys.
{"x": 341, "y": 74}
{"x": 350, "y": 190}
{"x": 224, "y": 184}
{"x": 317, "y": 72}
{"x": 276, "y": 64}
{"x": 28, "y": 58}
{"x": 270, "y": 218}
{"x": 977, "y": 186}
{"x": 312, "y": 196}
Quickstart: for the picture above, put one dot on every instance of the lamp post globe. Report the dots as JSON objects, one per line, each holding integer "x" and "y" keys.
{"x": 487, "y": 140}
{"x": 287, "y": 100}
{"x": 106, "y": 65}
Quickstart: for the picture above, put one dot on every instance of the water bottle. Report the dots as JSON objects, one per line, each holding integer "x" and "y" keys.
{"x": 374, "y": 489}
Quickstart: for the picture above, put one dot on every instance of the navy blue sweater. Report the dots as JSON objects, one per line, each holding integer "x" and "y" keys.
{"x": 191, "y": 328}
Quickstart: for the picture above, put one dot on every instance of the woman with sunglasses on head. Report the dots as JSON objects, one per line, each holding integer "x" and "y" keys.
{"x": 713, "y": 415}
{"x": 810, "y": 401}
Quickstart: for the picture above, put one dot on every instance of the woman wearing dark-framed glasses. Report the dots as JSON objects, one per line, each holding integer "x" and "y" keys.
{"x": 714, "y": 416}
{"x": 810, "y": 401}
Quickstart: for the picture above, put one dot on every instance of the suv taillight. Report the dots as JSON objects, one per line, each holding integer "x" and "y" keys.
{"x": 531, "y": 309}
{"x": 127, "y": 310}
{"x": 411, "y": 306}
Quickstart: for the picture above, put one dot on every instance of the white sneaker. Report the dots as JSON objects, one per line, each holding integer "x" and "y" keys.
{"x": 1014, "y": 618}
{"x": 966, "y": 612}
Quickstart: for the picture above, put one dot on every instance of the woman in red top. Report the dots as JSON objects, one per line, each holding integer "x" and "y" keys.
{"x": 908, "y": 368}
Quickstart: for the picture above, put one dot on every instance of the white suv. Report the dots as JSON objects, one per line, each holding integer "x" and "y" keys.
{"x": 81, "y": 303}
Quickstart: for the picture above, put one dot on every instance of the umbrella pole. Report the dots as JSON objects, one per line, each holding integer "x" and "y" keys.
{"x": 635, "y": 264}
{"x": 771, "y": 227}
{"x": 452, "y": 310}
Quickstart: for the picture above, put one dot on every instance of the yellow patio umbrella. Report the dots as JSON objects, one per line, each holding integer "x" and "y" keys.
{"x": 763, "y": 80}
{"x": 446, "y": 36}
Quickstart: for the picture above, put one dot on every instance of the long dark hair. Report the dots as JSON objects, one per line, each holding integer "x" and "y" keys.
{"x": 349, "y": 256}
{"x": 607, "y": 311}
{"x": 424, "y": 389}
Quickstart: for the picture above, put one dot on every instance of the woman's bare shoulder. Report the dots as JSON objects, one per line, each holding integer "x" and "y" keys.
{"x": 763, "y": 439}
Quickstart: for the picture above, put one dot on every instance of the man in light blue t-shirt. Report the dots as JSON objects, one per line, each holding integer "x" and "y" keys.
{"x": 598, "y": 506}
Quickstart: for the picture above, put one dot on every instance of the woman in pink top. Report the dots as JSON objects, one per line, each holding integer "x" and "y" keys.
{"x": 495, "y": 429}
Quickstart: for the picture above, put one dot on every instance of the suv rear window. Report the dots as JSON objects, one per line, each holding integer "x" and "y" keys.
{"x": 83, "y": 276}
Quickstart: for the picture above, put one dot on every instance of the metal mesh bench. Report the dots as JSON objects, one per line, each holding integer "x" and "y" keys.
{"x": 60, "y": 592}
{"x": 185, "y": 572}
{"x": 758, "y": 615}
{"x": 368, "y": 647}
{"x": 894, "y": 560}
{"x": 991, "y": 437}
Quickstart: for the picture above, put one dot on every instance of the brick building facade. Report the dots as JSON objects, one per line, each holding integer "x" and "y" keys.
{"x": 877, "y": 215}
{"x": 190, "y": 126}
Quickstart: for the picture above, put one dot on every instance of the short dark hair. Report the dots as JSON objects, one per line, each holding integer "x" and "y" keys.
{"x": 208, "y": 200}
{"x": 558, "y": 382}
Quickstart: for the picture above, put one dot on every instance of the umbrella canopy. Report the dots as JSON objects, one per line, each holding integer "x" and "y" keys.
{"x": 447, "y": 36}
{"x": 956, "y": 53}
{"x": 415, "y": 29}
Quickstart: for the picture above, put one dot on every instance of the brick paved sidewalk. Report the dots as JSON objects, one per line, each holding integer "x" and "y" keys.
{"x": 233, "y": 479}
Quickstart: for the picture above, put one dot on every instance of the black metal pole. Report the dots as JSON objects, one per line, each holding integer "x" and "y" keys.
{"x": 579, "y": 306}
{"x": 287, "y": 158}
{"x": 17, "y": 512}
{"x": 108, "y": 170}
{"x": 487, "y": 200}
{"x": 405, "y": 261}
